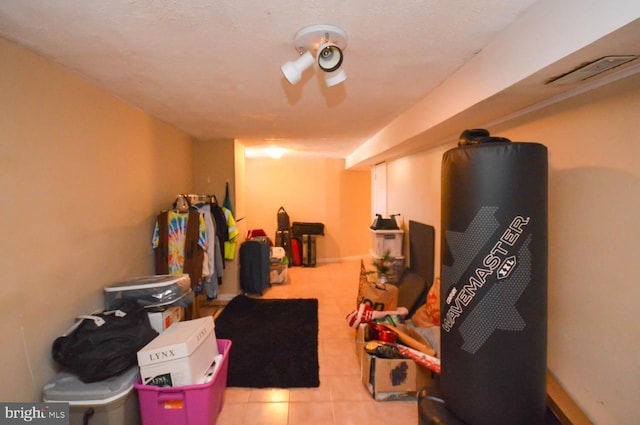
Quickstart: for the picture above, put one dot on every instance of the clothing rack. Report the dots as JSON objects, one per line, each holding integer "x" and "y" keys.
{"x": 198, "y": 198}
{"x": 185, "y": 200}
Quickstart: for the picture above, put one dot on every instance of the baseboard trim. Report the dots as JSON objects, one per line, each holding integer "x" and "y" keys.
{"x": 562, "y": 405}
{"x": 226, "y": 297}
{"x": 341, "y": 259}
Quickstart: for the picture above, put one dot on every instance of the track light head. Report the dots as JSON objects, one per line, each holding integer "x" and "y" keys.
{"x": 329, "y": 57}
{"x": 293, "y": 70}
{"x": 335, "y": 77}
{"x": 324, "y": 42}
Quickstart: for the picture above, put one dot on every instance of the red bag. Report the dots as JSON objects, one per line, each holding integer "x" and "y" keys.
{"x": 257, "y": 234}
{"x": 296, "y": 252}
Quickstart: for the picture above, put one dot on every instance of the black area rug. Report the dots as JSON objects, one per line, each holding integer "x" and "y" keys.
{"x": 274, "y": 342}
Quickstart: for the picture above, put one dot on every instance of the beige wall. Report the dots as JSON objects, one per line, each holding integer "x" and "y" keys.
{"x": 413, "y": 190}
{"x": 312, "y": 190}
{"x": 594, "y": 201}
{"x": 213, "y": 167}
{"x": 216, "y": 163}
{"x": 82, "y": 177}
{"x": 238, "y": 197}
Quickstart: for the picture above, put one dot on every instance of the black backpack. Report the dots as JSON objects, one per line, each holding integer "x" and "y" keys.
{"x": 283, "y": 219}
{"x": 105, "y": 344}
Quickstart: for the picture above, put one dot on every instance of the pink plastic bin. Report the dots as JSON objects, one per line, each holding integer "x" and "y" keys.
{"x": 188, "y": 404}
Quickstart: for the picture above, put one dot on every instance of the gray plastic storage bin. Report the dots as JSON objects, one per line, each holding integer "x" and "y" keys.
{"x": 151, "y": 291}
{"x": 113, "y": 401}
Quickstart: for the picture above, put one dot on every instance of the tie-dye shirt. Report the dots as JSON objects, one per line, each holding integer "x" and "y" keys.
{"x": 177, "y": 234}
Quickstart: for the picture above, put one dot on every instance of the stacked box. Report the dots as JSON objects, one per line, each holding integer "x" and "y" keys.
{"x": 277, "y": 254}
{"x": 187, "y": 405}
{"x": 180, "y": 355}
{"x": 161, "y": 320}
{"x": 389, "y": 379}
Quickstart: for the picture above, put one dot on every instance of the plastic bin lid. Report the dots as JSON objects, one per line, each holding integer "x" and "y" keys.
{"x": 155, "y": 281}
{"x": 187, "y": 297}
{"x": 386, "y": 231}
{"x": 68, "y": 387}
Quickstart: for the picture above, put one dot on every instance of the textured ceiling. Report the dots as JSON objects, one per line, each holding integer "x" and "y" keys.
{"x": 212, "y": 68}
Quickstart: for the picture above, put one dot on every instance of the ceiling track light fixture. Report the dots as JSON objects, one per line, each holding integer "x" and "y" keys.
{"x": 322, "y": 44}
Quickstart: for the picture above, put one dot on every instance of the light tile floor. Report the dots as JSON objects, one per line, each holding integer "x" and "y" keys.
{"x": 341, "y": 398}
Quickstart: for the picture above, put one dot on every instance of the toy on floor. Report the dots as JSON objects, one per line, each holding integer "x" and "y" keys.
{"x": 366, "y": 314}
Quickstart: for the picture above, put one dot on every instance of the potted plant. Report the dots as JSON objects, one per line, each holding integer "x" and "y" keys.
{"x": 383, "y": 266}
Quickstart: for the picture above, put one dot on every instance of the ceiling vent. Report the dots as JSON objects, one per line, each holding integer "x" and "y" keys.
{"x": 591, "y": 69}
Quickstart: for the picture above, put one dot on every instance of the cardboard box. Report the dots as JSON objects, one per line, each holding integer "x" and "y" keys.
{"x": 389, "y": 379}
{"x": 161, "y": 320}
{"x": 180, "y": 355}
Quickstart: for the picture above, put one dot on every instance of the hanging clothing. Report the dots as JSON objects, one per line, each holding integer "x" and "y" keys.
{"x": 180, "y": 241}
{"x": 209, "y": 264}
{"x": 222, "y": 232}
{"x": 230, "y": 244}
{"x": 212, "y": 267}
{"x": 219, "y": 263}
{"x": 227, "y": 200}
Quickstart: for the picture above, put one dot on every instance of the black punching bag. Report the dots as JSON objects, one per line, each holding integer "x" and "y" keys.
{"x": 494, "y": 280}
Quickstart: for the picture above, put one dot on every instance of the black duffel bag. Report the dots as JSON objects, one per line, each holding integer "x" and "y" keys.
{"x": 105, "y": 344}
{"x": 298, "y": 229}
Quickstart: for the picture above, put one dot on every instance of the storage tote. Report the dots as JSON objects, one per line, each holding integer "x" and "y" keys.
{"x": 110, "y": 402}
{"x": 386, "y": 240}
{"x": 187, "y": 405}
{"x": 151, "y": 291}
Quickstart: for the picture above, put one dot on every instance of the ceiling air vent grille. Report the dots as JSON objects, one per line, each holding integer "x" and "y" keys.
{"x": 591, "y": 69}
